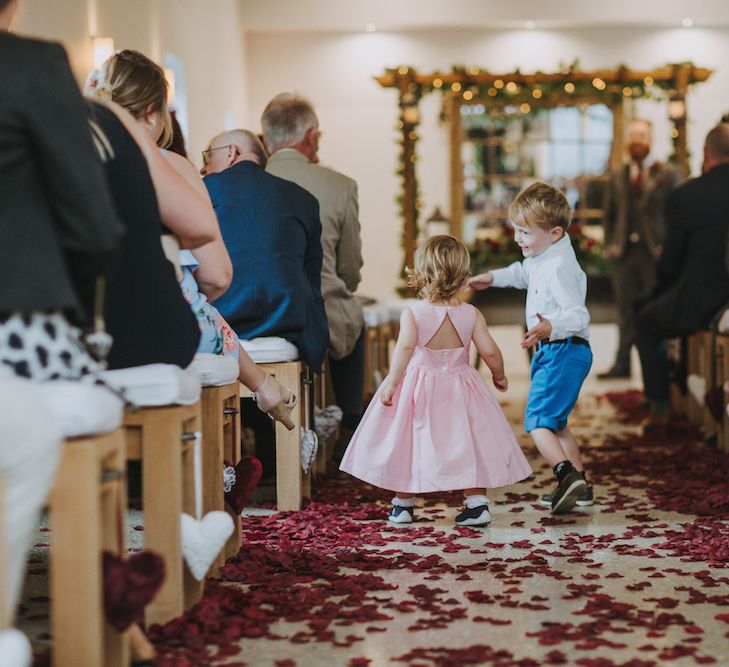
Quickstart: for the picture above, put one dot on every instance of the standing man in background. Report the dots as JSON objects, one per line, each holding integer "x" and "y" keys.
{"x": 634, "y": 231}
{"x": 291, "y": 133}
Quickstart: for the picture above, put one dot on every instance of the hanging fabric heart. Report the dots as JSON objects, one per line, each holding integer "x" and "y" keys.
{"x": 714, "y": 401}
{"x": 326, "y": 421}
{"x": 309, "y": 447}
{"x": 248, "y": 473}
{"x": 203, "y": 537}
{"x": 130, "y": 585}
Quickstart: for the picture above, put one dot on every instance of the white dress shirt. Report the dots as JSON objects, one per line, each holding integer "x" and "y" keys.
{"x": 556, "y": 289}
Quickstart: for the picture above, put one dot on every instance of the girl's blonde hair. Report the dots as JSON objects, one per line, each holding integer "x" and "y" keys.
{"x": 442, "y": 266}
{"x": 139, "y": 85}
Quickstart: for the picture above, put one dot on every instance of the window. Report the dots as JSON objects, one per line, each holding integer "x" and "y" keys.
{"x": 505, "y": 149}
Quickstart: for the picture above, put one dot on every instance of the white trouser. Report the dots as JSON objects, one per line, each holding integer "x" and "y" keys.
{"x": 30, "y": 446}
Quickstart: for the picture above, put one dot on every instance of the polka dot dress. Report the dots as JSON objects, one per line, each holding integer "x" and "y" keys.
{"x": 43, "y": 346}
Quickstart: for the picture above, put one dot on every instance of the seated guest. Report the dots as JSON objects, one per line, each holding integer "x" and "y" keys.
{"x": 291, "y": 133}
{"x": 145, "y": 311}
{"x": 692, "y": 279}
{"x": 59, "y": 226}
{"x": 272, "y": 231}
{"x": 137, "y": 83}
{"x": 60, "y": 233}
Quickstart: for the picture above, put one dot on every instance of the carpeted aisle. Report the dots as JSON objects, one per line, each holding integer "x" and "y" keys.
{"x": 640, "y": 579}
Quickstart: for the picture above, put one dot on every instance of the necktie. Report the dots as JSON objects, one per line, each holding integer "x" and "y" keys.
{"x": 637, "y": 182}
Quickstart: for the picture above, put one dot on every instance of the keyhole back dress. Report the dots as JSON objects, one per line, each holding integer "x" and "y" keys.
{"x": 445, "y": 429}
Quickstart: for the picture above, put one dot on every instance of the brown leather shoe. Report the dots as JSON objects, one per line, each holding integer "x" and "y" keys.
{"x": 657, "y": 424}
{"x": 615, "y": 373}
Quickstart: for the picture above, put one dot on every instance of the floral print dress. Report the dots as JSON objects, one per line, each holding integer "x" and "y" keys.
{"x": 216, "y": 336}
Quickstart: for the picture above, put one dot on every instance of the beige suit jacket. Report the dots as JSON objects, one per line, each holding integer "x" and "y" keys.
{"x": 340, "y": 241}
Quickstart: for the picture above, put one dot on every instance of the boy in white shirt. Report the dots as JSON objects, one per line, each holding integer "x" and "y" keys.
{"x": 557, "y": 320}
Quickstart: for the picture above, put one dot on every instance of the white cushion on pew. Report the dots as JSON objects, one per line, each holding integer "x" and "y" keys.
{"x": 697, "y": 386}
{"x": 270, "y": 350}
{"x": 83, "y": 409}
{"x": 396, "y": 306}
{"x": 724, "y": 321}
{"x": 156, "y": 384}
{"x": 215, "y": 370}
{"x": 375, "y": 315}
{"x": 371, "y": 316}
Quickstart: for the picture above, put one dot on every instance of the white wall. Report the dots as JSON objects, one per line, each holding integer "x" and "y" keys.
{"x": 358, "y": 116}
{"x": 205, "y": 36}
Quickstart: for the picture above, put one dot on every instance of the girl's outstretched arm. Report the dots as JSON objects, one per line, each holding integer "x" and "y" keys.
{"x": 489, "y": 351}
{"x": 401, "y": 356}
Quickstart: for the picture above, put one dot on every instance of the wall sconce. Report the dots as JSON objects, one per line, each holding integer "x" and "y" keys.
{"x": 170, "y": 76}
{"x": 677, "y": 109}
{"x": 437, "y": 223}
{"x": 102, "y": 48}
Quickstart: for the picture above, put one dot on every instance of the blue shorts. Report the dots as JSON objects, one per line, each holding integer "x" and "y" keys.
{"x": 557, "y": 373}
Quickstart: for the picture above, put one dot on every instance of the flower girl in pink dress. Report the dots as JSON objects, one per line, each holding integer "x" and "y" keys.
{"x": 433, "y": 424}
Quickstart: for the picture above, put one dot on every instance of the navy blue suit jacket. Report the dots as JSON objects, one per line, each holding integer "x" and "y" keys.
{"x": 272, "y": 231}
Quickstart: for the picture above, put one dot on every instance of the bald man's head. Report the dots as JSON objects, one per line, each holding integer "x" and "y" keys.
{"x": 229, "y": 148}
{"x": 716, "y": 146}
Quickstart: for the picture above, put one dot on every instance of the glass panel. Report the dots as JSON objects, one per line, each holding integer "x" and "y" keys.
{"x": 598, "y": 123}
{"x": 596, "y": 158}
{"x": 564, "y": 158}
{"x": 565, "y": 123}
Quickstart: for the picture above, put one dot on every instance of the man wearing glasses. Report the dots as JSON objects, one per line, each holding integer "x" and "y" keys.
{"x": 272, "y": 232}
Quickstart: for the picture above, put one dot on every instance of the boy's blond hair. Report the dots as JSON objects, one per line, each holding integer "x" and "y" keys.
{"x": 540, "y": 205}
{"x": 442, "y": 266}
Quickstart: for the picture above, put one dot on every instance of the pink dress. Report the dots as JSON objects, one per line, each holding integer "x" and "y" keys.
{"x": 445, "y": 430}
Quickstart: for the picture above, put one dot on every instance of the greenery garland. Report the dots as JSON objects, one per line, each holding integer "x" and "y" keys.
{"x": 521, "y": 94}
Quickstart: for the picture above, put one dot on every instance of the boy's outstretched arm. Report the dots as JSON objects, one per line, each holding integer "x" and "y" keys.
{"x": 404, "y": 348}
{"x": 481, "y": 281}
{"x": 489, "y": 351}
{"x": 514, "y": 275}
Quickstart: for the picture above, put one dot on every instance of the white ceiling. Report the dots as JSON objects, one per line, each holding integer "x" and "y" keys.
{"x": 391, "y": 15}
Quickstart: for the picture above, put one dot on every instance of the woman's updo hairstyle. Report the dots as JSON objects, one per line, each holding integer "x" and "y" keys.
{"x": 442, "y": 266}
{"x": 138, "y": 84}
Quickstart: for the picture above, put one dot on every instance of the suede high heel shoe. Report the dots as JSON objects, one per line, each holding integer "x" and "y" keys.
{"x": 143, "y": 652}
{"x": 276, "y": 401}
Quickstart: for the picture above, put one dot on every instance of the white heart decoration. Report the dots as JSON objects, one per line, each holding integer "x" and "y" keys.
{"x": 309, "y": 447}
{"x": 202, "y": 540}
{"x": 14, "y": 649}
{"x": 326, "y": 421}
{"x": 697, "y": 386}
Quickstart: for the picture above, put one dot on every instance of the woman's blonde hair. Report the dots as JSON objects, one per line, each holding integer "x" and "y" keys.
{"x": 139, "y": 85}
{"x": 442, "y": 266}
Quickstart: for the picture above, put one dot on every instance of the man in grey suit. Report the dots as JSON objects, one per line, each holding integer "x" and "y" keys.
{"x": 291, "y": 133}
{"x": 634, "y": 231}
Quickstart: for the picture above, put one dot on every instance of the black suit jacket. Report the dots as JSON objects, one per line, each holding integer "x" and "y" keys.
{"x": 692, "y": 279}
{"x": 58, "y": 227}
{"x": 272, "y": 231}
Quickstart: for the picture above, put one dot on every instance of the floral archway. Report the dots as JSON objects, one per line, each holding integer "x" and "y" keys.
{"x": 569, "y": 86}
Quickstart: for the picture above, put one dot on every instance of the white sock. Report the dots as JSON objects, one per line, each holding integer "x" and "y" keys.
{"x": 475, "y": 501}
{"x": 403, "y": 502}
